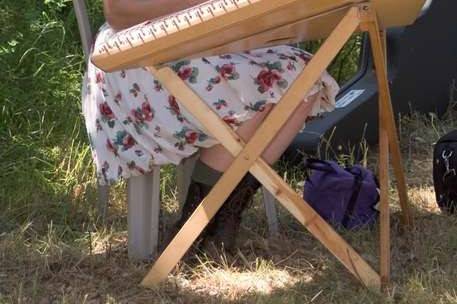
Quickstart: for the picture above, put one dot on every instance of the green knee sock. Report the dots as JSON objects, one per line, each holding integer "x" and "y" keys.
{"x": 204, "y": 174}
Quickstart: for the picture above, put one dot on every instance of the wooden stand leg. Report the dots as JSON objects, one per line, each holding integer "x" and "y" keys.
{"x": 385, "y": 100}
{"x": 388, "y": 141}
{"x": 384, "y": 238}
{"x": 383, "y": 167}
{"x": 384, "y": 224}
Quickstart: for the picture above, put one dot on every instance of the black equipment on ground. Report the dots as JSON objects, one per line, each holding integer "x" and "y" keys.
{"x": 422, "y": 65}
{"x": 445, "y": 172}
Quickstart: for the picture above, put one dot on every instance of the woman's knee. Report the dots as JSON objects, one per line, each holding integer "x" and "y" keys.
{"x": 248, "y": 128}
{"x": 261, "y": 115}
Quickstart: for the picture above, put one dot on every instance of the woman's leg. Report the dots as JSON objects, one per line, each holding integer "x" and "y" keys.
{"x": 218, "y": 158}
{"x": 208, "y": 169}
{"x": 222, "y": 231}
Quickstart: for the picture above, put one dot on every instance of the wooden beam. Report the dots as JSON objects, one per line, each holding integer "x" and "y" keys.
{"x": 371, "y": 25}
{"x": 384, "y": 218}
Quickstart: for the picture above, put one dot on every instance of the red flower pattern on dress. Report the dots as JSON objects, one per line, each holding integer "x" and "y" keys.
{"x": 228, "y": 71}
{"x": 185, "y": 73}
{"x": 291, "y": 66}
{"x": 213, "y": 81}
{"x": 128, "y": 142}
{"x": 173, "y": 104}
{"x": 133, "y": 166}
{"x": 124, "y": 140}
{"x": 174, "y": 108}
{"x": 118, "y": 98}
{"x": 99, "y": 78}
{"x": 188, "y": 136}
{"x": 157, "y": 131}
{"x": 221, "y": 103}
{"x": 191, "y": 137}
{"x": 145, "y": 113}
{"x": 306, "y": 57}
{"x": 98, "y": 125}
{"x": 230, "y": 119}
{"x": 135, "y": 89}
{"x": 157, "y": 86}
{"x": 106, "y": 111}
{"x": 110, "y": 147}
{"x": 266, "y": 79}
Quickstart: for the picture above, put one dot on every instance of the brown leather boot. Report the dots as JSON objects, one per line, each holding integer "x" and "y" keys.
{"x": 221, "y": 232}
{"x": 196, "y": 193}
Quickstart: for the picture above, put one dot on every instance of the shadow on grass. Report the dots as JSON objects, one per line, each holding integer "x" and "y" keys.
{"x": 294, "y": 268}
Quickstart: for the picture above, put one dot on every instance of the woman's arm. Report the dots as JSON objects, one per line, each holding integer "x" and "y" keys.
{"x": 121, "y": 14}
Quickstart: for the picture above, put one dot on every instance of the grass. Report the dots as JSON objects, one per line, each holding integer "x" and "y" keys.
{"x": 53, "y": 249}
{"x": 82, "y": 262}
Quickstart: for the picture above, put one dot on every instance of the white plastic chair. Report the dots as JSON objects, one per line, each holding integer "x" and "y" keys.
{"x": 143, "y": 192}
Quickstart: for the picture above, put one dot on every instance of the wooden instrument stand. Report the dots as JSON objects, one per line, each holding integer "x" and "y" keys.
{"x": 248, "y": 156}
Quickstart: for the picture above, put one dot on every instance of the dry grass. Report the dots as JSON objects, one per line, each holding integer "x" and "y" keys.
{"x": 88, "y": 264}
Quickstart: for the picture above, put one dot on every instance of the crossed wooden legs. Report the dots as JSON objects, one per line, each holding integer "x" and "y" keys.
{"x": 247, "y": 158}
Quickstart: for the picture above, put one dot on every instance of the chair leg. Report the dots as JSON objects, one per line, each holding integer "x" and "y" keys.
{"x": 269, "y": 202}
{"x": 183, "y": 175}
{"x": 143, "y": 215}
{"x": 84, "y": 25}
{"x": 103, "y": 202}
{"x": 388, "y": 139}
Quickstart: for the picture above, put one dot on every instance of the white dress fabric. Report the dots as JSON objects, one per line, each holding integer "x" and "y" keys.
{"x": 133, "y": 123}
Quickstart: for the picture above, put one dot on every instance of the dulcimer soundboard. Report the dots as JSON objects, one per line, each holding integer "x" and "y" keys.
{"x": 222, "y": 26}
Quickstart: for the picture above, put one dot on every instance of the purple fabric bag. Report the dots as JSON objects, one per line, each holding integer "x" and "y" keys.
{"x": 344, "y": 197}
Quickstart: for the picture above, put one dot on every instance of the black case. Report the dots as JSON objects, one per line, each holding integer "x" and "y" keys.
{"x": 445, "y": 172}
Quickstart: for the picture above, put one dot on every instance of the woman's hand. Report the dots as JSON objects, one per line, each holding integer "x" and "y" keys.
{"x": 195, "y": 2}
{"x": 121, "y": 14}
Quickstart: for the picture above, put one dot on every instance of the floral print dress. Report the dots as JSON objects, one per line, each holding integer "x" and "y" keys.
{"x": 133, "y": 123}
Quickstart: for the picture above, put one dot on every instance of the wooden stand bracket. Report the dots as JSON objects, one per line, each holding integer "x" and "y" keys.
{"x": 248, "y": 157}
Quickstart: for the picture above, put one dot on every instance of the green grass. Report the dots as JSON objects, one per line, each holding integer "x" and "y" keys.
{"x": 44, "y": 157}
{"x": 54, "y": 250}
{"x": 44, "y": 153}
{"x": 64, "y": 263}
